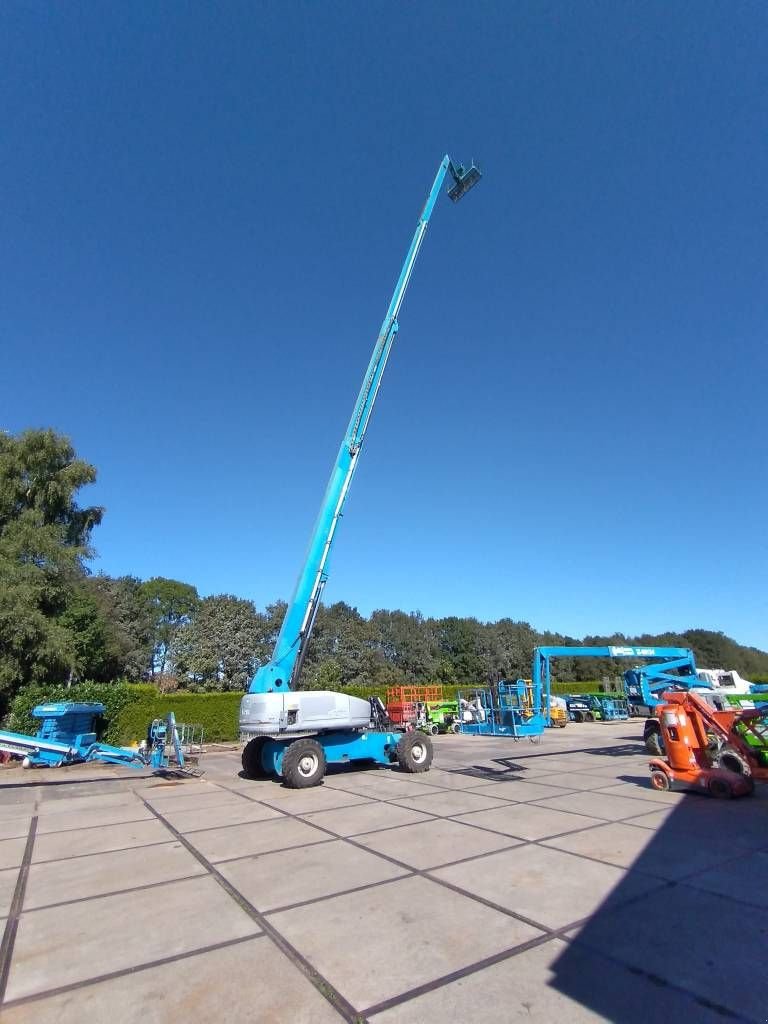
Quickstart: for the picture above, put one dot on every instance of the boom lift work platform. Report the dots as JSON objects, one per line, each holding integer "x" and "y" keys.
{"x": 293, "y": 733}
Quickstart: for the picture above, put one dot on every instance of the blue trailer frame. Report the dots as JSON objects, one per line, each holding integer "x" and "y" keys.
{"x": 503, "y": 710}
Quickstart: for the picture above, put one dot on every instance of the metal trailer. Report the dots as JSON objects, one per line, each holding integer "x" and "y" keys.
{"x": 503, "y": 710}
{"x": 296, "y": 734}
{"x": 67, "y": 735}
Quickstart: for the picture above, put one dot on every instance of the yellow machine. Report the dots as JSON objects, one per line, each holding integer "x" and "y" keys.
{"x": 558, "y": 713}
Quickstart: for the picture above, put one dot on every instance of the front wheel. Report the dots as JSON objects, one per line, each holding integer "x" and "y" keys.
{"x": 253, "y": 767}
{"x": 304, "y": 764}
{"x": 434, "y": 729}
{"x": 660, "y": 781}
{"x": 414, "y": 752}
{"x": 455, "y": 727}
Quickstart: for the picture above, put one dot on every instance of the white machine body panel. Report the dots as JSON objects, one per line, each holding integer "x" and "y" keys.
{"x": 302, "y": 711}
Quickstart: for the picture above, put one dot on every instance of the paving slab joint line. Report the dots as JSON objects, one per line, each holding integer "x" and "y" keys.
{"x": 112, "y": 892}
{"x": 89, "y": 828}
{"x": 665, "y": 983}
{"x": 423, "y": 873}
{"x": 12, "y": 923}
{"x": 321, "y": 984}
{"x": 343, "y": 892}
{"x": 461, "y": 972}
{"x": 101, "y": 853}
{"x": 75, "y": 986}
{"x": 280, "y": 849}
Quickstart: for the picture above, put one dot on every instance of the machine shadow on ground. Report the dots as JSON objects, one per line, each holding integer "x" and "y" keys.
{"x": 688, "y": 917}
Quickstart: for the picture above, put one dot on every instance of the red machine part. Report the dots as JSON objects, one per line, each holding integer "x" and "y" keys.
{"x": 402, "y": 701}
{"x": 401, "y": 712}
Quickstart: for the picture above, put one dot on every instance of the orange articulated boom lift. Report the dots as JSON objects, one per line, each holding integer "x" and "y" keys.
{"x": 707, "y": 749}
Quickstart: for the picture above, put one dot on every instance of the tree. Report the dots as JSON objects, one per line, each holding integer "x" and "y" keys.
{"x": 44, "y": 542}
{"x": 125, "y": 605}
{"x": 460, "y": 642}
{"x": 90, "y": 641}
{"x": 172, "y": 605}
{"x": 340, "y": 634}
{"x": 223, "y": 644}
{"x": 404, "y": 643}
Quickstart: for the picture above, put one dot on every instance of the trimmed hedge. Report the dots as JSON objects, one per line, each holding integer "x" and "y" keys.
{"x": 129, "y": 709}
{"x": 217, "y": 713}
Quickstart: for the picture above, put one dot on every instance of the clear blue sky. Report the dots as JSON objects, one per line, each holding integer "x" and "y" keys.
{"x": 205, "y": 207}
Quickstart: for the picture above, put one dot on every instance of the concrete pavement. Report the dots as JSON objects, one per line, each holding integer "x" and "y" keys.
{"x": 512, "y": 882}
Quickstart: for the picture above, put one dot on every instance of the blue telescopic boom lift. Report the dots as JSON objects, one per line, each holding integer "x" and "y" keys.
{"x": 292, "y": 733}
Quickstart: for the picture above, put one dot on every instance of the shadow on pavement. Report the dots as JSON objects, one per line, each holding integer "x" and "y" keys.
{"x": 686, "y": 931}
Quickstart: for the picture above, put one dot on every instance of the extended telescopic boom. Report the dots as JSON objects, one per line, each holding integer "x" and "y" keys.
{"x": 283, "y": 671}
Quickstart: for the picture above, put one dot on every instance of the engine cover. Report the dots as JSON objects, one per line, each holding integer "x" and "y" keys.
{"x": 302, "y": 711}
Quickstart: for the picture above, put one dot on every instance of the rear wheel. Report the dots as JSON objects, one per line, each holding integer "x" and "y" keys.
{"x": 652, "y": 739}
{"x": 588, "y": 716}
{"x": 253, "y": 767}
{"x": 660, "y": 780}
{"x": 720, "y": 789}
{"x": 734, "y": 761}
{"x": 434, "y": 729}
{"x": 455, "y": 727}
{"x": 304, "y": 764}
{"x": 414, "y": 752}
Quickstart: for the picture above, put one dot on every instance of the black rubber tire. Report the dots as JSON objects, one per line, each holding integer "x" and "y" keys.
{"x": 578, "y": 716}
{"x": 434, "y": 729}
{"x": 660, "y": 781}
{"x": 251, "y": 759}
{"x": 720, "y": 789}
{"x": 304, "y": 764}
{"x": 652, "y": 740}
{"x": 588, "y": 716}
{"x": 734, "y": 761}
{"x": 414, "y": 752}
{"x": 455, "y": 727}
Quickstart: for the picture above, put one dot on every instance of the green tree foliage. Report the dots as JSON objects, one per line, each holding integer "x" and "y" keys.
{"x": 225, "y": 641}
{"x": 44, "y": 540}
{"x": 124, "y": 604}
{"x": 172, "y": 603}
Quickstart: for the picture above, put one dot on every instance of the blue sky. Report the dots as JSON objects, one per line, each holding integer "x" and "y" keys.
{"x": 205, "y": 210}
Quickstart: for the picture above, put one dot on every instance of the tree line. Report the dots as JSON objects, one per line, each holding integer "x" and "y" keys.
{"x": 61, "y": 623}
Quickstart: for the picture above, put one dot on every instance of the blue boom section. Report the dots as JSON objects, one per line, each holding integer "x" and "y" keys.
{"x": 671, "y": 668}
{"x": 283, "y": 671}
